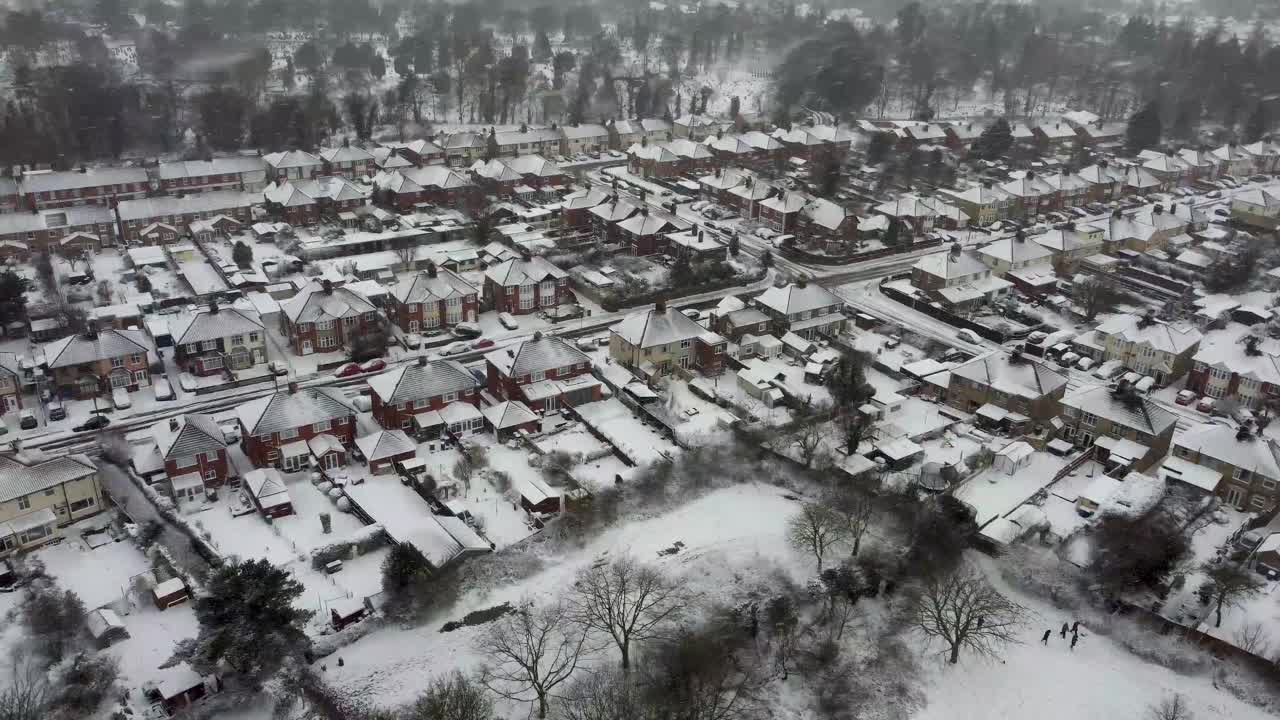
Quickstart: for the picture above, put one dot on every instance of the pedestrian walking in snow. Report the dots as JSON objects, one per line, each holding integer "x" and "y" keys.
{"x": 1045, "y": 639}
{"x": 1064, "y": 631}
{"x": 1075, "y": 626}
{"x": 1074, "y": 639}
{"x": 981, "y": 619}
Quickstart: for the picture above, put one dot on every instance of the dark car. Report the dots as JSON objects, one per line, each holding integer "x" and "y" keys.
{"x": 96, "y": 422}
{"x": 57, "y": 411}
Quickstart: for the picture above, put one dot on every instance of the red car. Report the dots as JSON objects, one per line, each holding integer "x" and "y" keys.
{"x": 347, "y": 370}
{"x": 482, "y": 344}
{"x": 373, "y": 365}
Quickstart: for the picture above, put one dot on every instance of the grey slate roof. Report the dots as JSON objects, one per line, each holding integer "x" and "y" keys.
{"x": 424, "y": 288}
{"x": 214, "y": 166}
{"x": 205, "y": 325}
{"x": 197, "y": 203}
{"x": 287, "y": 410}
{"x": 792, "y": 298}
{"x": 109, "y": 343}
{"x": 1145, "y": 416}
{"x": 384, "y": 444}
{"x": 537, "y": 355}
{"x": 25, "y": 222}
{"x": 195, "y": 433}
{"x": 1028, "y": 379}
{"x": 523, "y": 272}
{"x": 649, "y": 328}
{"x": 21, "y": 475}
{"x": 508, "y": 414}
{"x": 418, "y": 382}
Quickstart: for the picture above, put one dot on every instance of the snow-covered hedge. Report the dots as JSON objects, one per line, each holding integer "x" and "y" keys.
{"x": 362, "y": 541}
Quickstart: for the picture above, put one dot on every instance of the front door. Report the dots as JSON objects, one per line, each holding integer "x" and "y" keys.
{"x": 330, "y": 461}
{"x": 1235, "y": 497}
{"x": 10, "y": 403}
{"x": 306, "y": 347}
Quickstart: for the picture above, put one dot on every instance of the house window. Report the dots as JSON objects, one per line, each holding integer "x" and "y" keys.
{"x": 78, "y": 505}
{"x": 1258, "y": 502}
{"x": 1089, "y": 419}
{"x": 341, "y": 421}
{"x": 135, "y": 358}
{"x": 328, "y": 341}
{"x": 237, "y": 339}
{"x": 684, "y": 344}
{"x": 24, "y": 503}
{"x": 1268, "y": 484}
{"x": 186, "y": 462}
{"x": 117, "y": 362}
{"x": 324, "y": 325}
{"x": 289, "y": 434}
{"x": 264, "y": 438}
{"x": 140, "y": 377}
{"x": 254, "y": 337}
{"x": 211, "y": 474}
{"x": 1240, "y": 474}
{"x": 450, "y": 397}
{"x": 414, "y": 307}
{"x": 539, "y": 376}
{"x": 321, "y": 426}
{"x": 349, "y": 320}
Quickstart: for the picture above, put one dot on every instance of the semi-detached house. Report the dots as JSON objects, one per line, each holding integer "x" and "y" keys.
{"x": 324, "y": 318}
{"x": 431, "y": 299}
{"x": 1144, "y": 345}
{"x": 412, "y": 397}
{"x": 64, "y": 230}
{"x": 659, "y": 340}
{"x": 246, "y": 174}
{"x": 101, "y": 186}
{"x": 545, "y": 373}
{"x": 808, "y": 310}
{"x": 521, "y": 287}
{"x": 194, "y": 454}
{"x": 1129, "y": 430}
{"x": 214, "y": 339}
{"x": 10, "y": 383}
{"x": 1006, "y": 389}
{"x": 99, "y": 361}
{"x": 37, "y": 497}
{"x": 136, "y": 216}
{"x": 1248, "y": 465}
{"x": 276, "y": 430}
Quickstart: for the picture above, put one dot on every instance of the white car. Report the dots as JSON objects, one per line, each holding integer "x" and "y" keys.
{"x": 969, "y": 336}
{"x": 120, "y": 399}
{"x": 164, "y": 391}
{"x": 455, "y": 348}
{"x": 508, "y": 320}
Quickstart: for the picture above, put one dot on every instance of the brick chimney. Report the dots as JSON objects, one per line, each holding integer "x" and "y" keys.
{"x": 293, "y": 388}
{"x": 422, "y": 361}
{"x": 660, "y": 307}
{"x": 174, "y": 424}
{"x": 431, "y": 269}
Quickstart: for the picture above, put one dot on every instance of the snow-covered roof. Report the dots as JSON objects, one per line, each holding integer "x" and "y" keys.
{"x": 287, "y": 410}
{"x": 40, "y": 181}
{"x": 234, "y": 165}
{"x": 1024, "y": 378}
{"x": 644, "y": 224}
{"x": 1185, "y": 471}
{"x": 523, "y": 272}
{"x": 422, "y": 287}
{"x": 267, "y": 486}
{"x": 292, "y": 159}
{"x": 106, "y": 344}
{"x": 194, "y": 204}
{"x": 1156, "y": 334}
{"x": 187, "y": 435}
{"x": 583, "y": 131}
{"x": 22, "y": 474}
{"x": 207, "y": 324}
{"x": 793, "y": 298}
{"x": 314, "y": 304}
{"x": 508, "y": 414}
{"x": 1258, "y": 455}
{"x": 651, "y": 327}
{"x": 1015, "y": 251}
{"x": 418, "y": 381}
{"x": 948, "y": 266}
{"x": 286, "y": 194}
{"x": 332, "y": 187}
{"x": 345, "y": 153}
{"x": 1142, "y": 415}
{"x": 539, "y": 354}
{"x": 534, "y": 165}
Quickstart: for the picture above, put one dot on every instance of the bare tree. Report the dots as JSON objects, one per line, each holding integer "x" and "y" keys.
{"x": 964, "y": 611}
{"x": 707, "y": 672}
{"x": 451, "y": 697}
{"x": 816, "y": 529}
{"x": 531, "y": 652}
{"x": 26, "y": 696}
{"x": 406, "y": 252}
{"x": 808, "y": 437}
{"x": 605, "y": 695}
{"x": 1230, "y": 584}
{"x": 1173, "y": 707}
{"x": 1252, "y": 638}
{"x": 626, "y": 600}
{"x": 783, "y": 623}
{"x": 855, "y": 509}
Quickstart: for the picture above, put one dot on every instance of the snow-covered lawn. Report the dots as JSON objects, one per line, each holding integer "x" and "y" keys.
{"x": 995, "y": 492}
{"x": 615, "y": 421}
{"x": 1099, "y": 679}
{"x": 730, "y": 537}
{"x": 99, "y": 576}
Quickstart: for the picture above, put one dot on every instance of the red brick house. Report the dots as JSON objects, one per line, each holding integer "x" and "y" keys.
{"x": 102, "y": 186}
{"x": 824, "y": 222}
{"x": 495, "y": 177}
{"x": 10, "y": 383}
{"x": 781, "y": 211}
{"x": 648, "y": 160}
{"x": 348, "y": 161}
{"x": 157, "y": 233}
{"x": 418, "y": 152}
{"x": 382, "y": 449}
{"x": 435, "y": 184}
{"x": 192, "y": 444}
{"x": 606, "y": 216}
{"x": 287, "y": 202}
{"x": 521, "y": 287}
{"x": 422, "y": 387}
{"x": 432, "y": 298}
{"x": 97, "y": 362}
{"x": 509, "y": 418}
{"x": 292, "y": 165}
{"x": 537, "y": 171}
{"x": 575, "y": 209}
{"x": 45, "y": 230}
{"x": 656, "y": 341}
{"x": 324, "y": 318}
{"x": 246, "y": 174}
{"x": 216, "y": 339}
{"x": 645, "y": 233}
{"x": 545, "y": 373}
{"x": 137, "y": 216}
{"x": 10, "y": 197}
{"x": 275, "y": 429}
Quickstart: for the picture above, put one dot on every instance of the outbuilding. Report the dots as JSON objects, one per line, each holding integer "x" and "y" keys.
{"x": 169, "y": 593}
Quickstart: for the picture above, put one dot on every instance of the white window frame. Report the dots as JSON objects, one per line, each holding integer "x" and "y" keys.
{"x": 322, "y": 426}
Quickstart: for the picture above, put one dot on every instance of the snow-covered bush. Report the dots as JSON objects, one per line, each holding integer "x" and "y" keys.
{"x": 1039, "y": 572}
{"x": 362, "y": 542}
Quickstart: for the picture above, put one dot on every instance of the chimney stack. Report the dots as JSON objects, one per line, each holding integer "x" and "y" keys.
{"x": 174, "y": 424}
{"x": 431, "y": 269}
{"x": 422, "y": 361}
{"x": 293, "y": 387}
{"x": 327, "y": 285}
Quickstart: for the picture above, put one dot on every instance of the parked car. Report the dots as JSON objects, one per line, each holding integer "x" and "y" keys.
{"x": 508, "y": 320}
{"x": 969, "y": 336}
{"x": 1145, "y": 384}
{"x": 164, "y": 391}
{"x": 1084, "y": 363}
{"x": 1131, "y": 377}
{"x": 1109, "y": 369}
{"x": 120, "y": 399}
{"x": 481, "y": 344}
{"x": 96, "y": 422}
{"x": 1206, "y": 405}
{"x": 347, "y": 370}
{"x": 467, "y": 330}
{"x": 373, "y": 365}
{"x": 188, "y": 382}
{"x": 27, "y": 420}
{"x": 1243, "y": 415}
{"x": 1068, "y": 358}
{"x": 1185, "y": 397}
{"x": 57, "y": 411}
{"x": 230, "y": 433}
{"x": 456, "y": 348}
{"x": 691, "y": 313}
{"x": 276, "y": 367}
